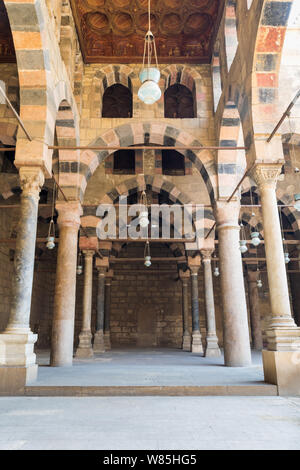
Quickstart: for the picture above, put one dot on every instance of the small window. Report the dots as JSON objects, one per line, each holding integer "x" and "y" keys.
{"x": 172, "y": 163}
{"x": 117, "y": 102}
{"x": 179, "y": 102}
{"x": 124, "y": 162}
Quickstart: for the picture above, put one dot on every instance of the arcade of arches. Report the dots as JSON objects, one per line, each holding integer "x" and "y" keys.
{"x": 229, "y": 70}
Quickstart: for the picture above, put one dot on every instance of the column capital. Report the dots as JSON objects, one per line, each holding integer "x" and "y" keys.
{"x": 184, "y": 275}
{"x": 194, "y": 264}
{"x": 206, "y": 255}
{"x": 69, "y": 214}
{"x": 88, "y": 243}
{"x": 266, "y": 175}
{"x": 88, "y": 253}
{"x": 31, "y": 180}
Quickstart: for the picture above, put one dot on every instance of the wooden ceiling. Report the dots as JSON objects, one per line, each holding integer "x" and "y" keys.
{"x": 7, "y": 50}
{"x": 113, "y": 31}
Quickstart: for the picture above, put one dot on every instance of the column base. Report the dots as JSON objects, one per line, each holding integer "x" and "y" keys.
{"x": 186, "y": 342}
{"x": 212, "y": 348}
{"x": 283, "y": 338}
{"x": 107, "y": 344}
{"x": 16, "y": 349}
{"x": 99, "y": 346}
{"x": 85, "y": 345}
{"x": 282, "y": 368}
{"x": 197, "y": 347}
{"x": 13, "y": 379}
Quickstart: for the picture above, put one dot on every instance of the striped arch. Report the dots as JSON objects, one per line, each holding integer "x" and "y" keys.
{"x": 39, "y": 99}
{"x": 231, "y": 39}
{"x": 267, "y": 61}
{"x": 157, "y": 184}
{"x": 231, "y": 163}
{"x": 137, "y": 133}
{"x": 106, "y": 77}
{"x": 188, "y": 77}
{"x": 216, "y": 75}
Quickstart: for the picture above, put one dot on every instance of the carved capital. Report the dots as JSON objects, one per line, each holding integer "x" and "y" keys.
{"x": 31, "y": 180}
{"x": 206, "y": 255}
{"x": 69, "y": 214}
{"x": 88, "y": 254}
{"x": 184, "y": 275}
{"x": 267, "y": 175}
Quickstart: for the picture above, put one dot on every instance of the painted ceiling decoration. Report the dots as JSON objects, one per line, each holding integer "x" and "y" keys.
{"x": 113, "y": 31}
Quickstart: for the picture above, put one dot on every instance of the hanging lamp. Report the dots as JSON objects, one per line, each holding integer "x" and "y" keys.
{"x": 286, "y": 253}
{"x": 51, "y": 232}
{"x": 79, "y": 269}
{"x": 147, "y": 255}
{"x": 216, "y": 268}
{"x": 149, "y": 92}
{"x": 255, "y": 240}
{"x": 143, "y": 218}
{"x": 243, "y": 242}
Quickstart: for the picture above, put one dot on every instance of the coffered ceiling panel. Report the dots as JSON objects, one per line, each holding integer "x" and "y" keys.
{"x": 112, "y": 31}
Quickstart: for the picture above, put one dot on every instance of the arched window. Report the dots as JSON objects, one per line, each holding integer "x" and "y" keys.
{"x": 124, "y": 162}
{"x": 179, "y": 102}
{"x": 172, "y": 163}
{"x": 117, "y": 102}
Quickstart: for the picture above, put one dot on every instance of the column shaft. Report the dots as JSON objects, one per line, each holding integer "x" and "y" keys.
{"x": 107, "y": 301}
{"x": 65, "y": 286}
{"x": 85, "y": 338}
{"x": 237, "y": 351}
{"x": 17, "y": 341}
{"x": 186, "y": 339}
{"x": 99, "y": 335}
{"x": 212, "y": 347}
{"x": 256, "y": 332}
{"x": 196, "y": 335}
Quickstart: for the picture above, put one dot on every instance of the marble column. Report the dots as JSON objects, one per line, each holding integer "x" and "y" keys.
{"x": 281, "y": 331}
{"x": 107, "y": 300}
{"x": 99, "y": 346}
{"x": 65, "y": 285}
{"x": 85, "y": 337}
{"x": 17, "y": 341}
{"x": 212, "y": 348}
{"x": 186, "y": 338}
{"x": 196, "y": 335}
{"x": 256, "y": 331}
{"x": 236, "y": 340}
{"x": 281, "y": 360}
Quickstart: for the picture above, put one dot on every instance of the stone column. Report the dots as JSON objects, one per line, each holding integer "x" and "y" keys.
{"x": 237, "y": 351}
{"x": 194, "y": 264}
{"x": 17, "y": 341}
{"x": 256, "y": 332}
{"x": 85, "y": 337}
{"x": 281, "y": 366}
{"x": 186, "y": 339}
{"x": 107, "y": 295}
{"x": 65, "y": 286}
{"x": 212, "y": 348}
{"x": 99, "y": 346}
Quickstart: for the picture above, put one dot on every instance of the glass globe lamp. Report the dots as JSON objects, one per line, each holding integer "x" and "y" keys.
{"x": 243, "y": 246}
{"x": 259, "y": 283}
{"x": 216, "y": 272}
{"x": 147, "y": 261}
{"x": 297, "y": 202}
{"x": 149, "y": 92}
{"x": 255, "y": 240}
{"x": 50, "y": 243}
{"x": 287, "y": 258}
{"x": 144, "y": 221}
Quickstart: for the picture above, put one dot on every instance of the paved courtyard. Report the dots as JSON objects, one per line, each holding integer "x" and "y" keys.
{"x": 157, "y": 423}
